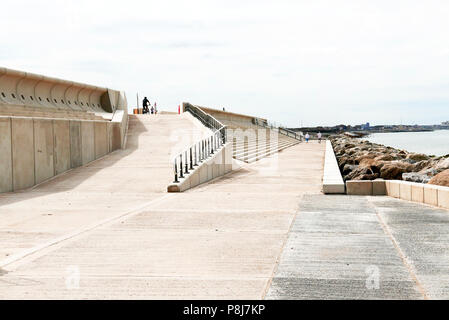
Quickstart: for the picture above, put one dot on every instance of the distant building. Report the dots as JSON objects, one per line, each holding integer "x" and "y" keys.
{"x": 365, "y": 126}
{"x": 445, "y": 123}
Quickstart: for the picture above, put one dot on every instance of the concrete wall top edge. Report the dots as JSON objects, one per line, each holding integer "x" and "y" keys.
{"x": 207, "y": 109}
{"x": 21, "y": 74}
{"x": 43, "y": 118}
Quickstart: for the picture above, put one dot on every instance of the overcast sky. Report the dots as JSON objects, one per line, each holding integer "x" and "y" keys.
{"x": 294, "y": 62}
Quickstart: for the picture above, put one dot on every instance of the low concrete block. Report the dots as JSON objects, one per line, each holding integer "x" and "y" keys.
{"x": 331, "y": 173}
{"x": 359, "y": 187}
{"x": 379, "y": 188}
{"x": 443, "y": 197}
{"x": 387, "y": 187}
{"x": 22, "y": 153}
{"x": 405, "y": 190}
{"x": 431, "y": 194}
{"x": 418, "y": 193}
{"x": 337, "y": 188}
{"x": 5, "y": 155}
{"x": 394, "y": 190}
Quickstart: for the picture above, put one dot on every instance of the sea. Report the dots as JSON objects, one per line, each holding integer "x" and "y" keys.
{"x": 428, "y": 142}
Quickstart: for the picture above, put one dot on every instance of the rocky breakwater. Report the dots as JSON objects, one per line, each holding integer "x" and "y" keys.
{"x": 362, "y": 160}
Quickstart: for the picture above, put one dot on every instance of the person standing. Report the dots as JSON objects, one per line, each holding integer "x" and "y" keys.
{"x": 307, "y": 137}
{"x": 145, "y": 104}
{"x": 319, "y": 137}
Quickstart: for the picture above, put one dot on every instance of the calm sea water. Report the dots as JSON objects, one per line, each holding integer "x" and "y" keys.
{"x": 431, "y": 143}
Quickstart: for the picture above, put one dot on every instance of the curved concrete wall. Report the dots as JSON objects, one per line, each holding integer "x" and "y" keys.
{"x": 36, "y": 145}
{"x": 28, "y": 89}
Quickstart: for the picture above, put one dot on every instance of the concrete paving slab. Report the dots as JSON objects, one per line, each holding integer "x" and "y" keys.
{"x": 332, "y": 252}
{"x": 186, "y": 246}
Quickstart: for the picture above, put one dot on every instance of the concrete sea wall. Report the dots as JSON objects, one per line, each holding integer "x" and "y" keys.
{"x": 49, "y": 125}
{"x": 33, "y": 150}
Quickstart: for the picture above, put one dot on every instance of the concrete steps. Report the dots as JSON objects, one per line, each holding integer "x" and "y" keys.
{"x": 252, "y": 150}
{"x": 259, "y": 148}
{"x": 265, "y": 153}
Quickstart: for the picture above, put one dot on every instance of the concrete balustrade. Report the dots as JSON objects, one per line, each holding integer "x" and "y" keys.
{"x": 219, "y": 164}
{"x": 332, "y": 179}
{"x": 405, "y": 190}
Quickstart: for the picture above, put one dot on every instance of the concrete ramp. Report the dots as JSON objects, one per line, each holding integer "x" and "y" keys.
{"x": 103, "y": 189}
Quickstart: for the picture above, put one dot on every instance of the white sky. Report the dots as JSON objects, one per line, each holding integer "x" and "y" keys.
{"x": 295, "y": 62}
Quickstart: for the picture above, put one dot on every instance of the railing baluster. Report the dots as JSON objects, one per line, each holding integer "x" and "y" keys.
{"x": 191, "y": 159}
{"x": 176, "y": 172}
{"x": 180, "y": 167}
{"x": 196, "y": 158}
{"x": 187, "y": 164}
{"x": 211, "y": 145}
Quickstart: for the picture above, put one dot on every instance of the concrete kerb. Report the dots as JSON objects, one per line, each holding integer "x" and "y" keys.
{"x": 410, "y": 191}
{"x": 332, "y": 180}
{"x": 211, "y": 168}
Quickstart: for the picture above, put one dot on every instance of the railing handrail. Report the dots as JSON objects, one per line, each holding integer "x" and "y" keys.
{"x": 190, "y": 107}
{"x": 280, "y": 129}
{"x": 203, "y": 148}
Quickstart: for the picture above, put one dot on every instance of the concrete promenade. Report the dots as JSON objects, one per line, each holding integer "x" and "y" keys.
{"x": 220, "y": 240}
{"x": 263, "y": 231}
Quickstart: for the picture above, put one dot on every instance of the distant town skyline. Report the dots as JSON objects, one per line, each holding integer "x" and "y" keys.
{"x": 296, "y": 63}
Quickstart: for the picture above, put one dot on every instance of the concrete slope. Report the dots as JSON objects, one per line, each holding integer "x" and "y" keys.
{"x": 219, "y": 240}
{"x": 111, "y": 186}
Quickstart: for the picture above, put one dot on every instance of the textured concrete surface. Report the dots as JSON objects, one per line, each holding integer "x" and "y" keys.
{"x": 338, "y": 243}
{"x": 5, "y": 155}
{"x": 219, "y": 240}
{"x": 114, "y": 184}
{"x": 22, "y": 153}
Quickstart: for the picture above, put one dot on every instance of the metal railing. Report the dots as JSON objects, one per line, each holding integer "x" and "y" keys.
{"x": 289, "y": 133}
{"x": 201, "y": 150}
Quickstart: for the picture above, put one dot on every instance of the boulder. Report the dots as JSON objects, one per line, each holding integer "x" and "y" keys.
{"x": 421, "y": 165}
{"x": 416, "y": 177}
{"x": 394, "y": 170}
{"x": 443, "y": 164}
{"x": 417, "y": 157}
{"x": 386, "y": 157}
{"x": 358, "y": 173}
{"x": 441, "y": 179}
{"x": 348, "y": 168}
